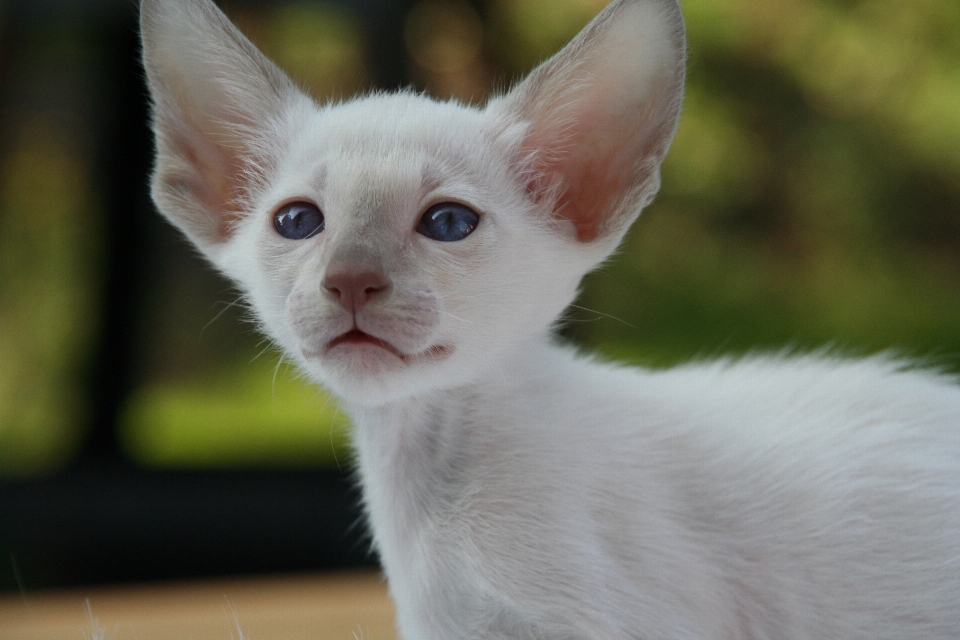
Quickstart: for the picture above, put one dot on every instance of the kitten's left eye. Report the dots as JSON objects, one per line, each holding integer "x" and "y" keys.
{"x": 298, "y": 221}
{"x": 448, "y": 222}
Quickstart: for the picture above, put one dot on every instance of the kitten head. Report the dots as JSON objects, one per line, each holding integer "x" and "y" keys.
{"x": 393, "y": 245}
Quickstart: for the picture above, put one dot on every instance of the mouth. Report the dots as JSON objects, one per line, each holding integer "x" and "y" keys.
{"x": 356, "y": 337}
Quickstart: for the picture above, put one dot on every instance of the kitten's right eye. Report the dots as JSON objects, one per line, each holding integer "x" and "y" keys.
{"x": 298, "y": 221}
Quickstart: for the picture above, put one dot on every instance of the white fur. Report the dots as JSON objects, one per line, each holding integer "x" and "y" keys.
{"x": 515, "y": 489}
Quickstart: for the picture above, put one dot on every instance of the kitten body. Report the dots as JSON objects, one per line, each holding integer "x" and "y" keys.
{"x": 516, "y": 489}
{"x": 750, "y": 499}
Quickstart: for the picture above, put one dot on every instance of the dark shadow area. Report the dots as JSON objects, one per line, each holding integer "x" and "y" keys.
{"x": 109, "y": 525}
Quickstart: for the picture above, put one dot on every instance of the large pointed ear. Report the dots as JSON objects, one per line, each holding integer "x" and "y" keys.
{"x": 599, "y": 116}
{"x": 216, "y": 98}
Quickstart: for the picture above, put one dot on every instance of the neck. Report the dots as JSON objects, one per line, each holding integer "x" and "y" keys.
{"x": 407, "y": 452}
{"x": 413, "y": 454}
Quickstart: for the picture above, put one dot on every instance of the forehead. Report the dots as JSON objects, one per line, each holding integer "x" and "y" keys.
{"x": 396, "y": 131}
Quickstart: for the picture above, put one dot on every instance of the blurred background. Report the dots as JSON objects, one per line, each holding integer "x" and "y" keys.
{"x": 811, "y": 200}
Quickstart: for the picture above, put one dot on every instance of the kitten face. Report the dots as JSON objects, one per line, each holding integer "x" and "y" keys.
{"x": 555, "y": 171}
{"x": 437, "y": 313}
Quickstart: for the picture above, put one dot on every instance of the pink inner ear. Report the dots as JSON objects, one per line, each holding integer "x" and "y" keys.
{"x": 215, "y": 181}
{"x": 589, "y": 192}
{"x": 597, "y": 162}
{"x": 594, "y": 190}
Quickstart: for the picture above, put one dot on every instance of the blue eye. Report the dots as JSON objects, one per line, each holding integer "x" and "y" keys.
{"x": 448, "y": 222}
{"x": 298, "y": 221}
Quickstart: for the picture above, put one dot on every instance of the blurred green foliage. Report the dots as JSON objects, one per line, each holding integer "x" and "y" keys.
{"x": 319, "y": 44}
{"x": 811, "y": 199}
{"x": 257, "y": 414}
{"x": 812, "y": 196}
{"x": 48, "y": 285}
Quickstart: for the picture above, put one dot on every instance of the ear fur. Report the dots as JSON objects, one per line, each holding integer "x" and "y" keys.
{"x": 215, "y": 100}
{"x": 599, "y": 117}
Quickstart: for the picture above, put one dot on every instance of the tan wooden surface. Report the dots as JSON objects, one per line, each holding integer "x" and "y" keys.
{"x": 344, "y": 606}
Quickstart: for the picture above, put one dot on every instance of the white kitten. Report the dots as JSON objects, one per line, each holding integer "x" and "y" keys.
{"x": 412, "y": 256}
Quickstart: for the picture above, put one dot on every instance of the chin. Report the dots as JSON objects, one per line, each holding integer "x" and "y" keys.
{"x": 370, "y": 375}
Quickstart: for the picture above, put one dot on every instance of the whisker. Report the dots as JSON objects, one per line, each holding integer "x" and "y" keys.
{"x": 605, "y": 315}
{"x": 263, "y": 351}
{"x": 458, "y": 318}
{"x": 333, "y": 426}
{"x": 221, "y": 312}
{"x": 273, "y": 382}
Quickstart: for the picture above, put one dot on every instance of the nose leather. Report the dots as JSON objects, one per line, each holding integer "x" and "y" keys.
{"x": 355, "y": 289}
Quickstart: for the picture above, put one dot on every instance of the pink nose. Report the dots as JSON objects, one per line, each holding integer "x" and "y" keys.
{"x": 354, "y": 290}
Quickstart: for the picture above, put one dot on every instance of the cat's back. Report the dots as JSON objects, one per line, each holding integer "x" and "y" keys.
{"x": 833, "y": 484}
{"x": 785, "y": 418}
{"x": 803, "y": 402}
